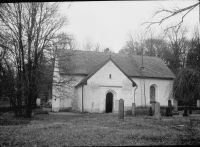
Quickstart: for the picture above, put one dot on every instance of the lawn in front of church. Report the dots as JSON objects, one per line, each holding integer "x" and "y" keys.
{"x": 52, "y": 130}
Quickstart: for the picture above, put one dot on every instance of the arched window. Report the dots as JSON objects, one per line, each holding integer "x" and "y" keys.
{"x": 152, "y": 94}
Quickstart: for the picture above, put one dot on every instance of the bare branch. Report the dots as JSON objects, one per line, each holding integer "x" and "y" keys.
{"x": 171, "y": 14}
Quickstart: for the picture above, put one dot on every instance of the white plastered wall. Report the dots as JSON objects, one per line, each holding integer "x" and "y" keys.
{"x": 100, "y": 84}
{"x": 63, "y": 97}
{"x": 162, "y": 93}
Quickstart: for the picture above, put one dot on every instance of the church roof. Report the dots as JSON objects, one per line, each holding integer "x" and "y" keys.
{"x": 85, "y": 62}
{"x": 84, "y": 81}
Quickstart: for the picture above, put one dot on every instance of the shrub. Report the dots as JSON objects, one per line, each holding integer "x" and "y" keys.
{"x": 185, "y": 112}
{"x": 9, "y": 119}
{"x": 128, "y": 113}
{"x": 40, "y": 111}
{"x": 181, "y": 108}
{"x": 168, "y": 112}
{"x": 196, "y": 112}
{"x": 47, "y": 105}
{"x": 5, "y": 109}
{"x": 141, "y": 111}
{"x": 69, "y": 109}
{"x": 162, "y": 112}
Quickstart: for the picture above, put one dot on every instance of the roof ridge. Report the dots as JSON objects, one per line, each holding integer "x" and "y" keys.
{"x": 119, "y": 54}
{"x": 87, "y": 61}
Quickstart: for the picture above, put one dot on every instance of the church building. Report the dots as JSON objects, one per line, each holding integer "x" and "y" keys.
{"x": 98, "y": 80}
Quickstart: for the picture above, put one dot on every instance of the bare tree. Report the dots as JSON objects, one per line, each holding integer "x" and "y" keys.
{"x": 145, "y": 42}
{"x": 178, "y": 47}
{"x": 172, "y": 13}
{"x": 63, "y": 67}
{"x": 186, "y": 86}
{"x": 129, "y": 47}
{"x": 193, "y": 56}
{"x": 97, "y": 47}
{"x": 28, "y": 29}
{"x": 89, "y": 45}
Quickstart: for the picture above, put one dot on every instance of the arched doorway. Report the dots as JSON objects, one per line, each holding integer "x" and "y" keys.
{"x": 109, "y": 102}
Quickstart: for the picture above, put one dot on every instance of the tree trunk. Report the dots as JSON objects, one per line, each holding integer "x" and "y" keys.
{"x": 30, "y": 90}
{"x": 190, "y": 107}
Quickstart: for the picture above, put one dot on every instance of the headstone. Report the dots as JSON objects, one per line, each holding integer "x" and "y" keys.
{"x": 198, "y": 103}
{"x": 133, "y": 109}
{"x": 167, "y": 112}
{"x": 175, "y": 112}
{"x": 170, "y": 107}
{"x": 50, "y": 102}
{"x": 153, "y": 107}
{"x": 116, "y": 105}
{"x": 150, "y": 111}
{"x": 169, "y": 103}
{"x": 157, "y": 114}
{"x": 38, "y": 101}
{"x": 185, "y": 112}
{"x": 121, "y": 109}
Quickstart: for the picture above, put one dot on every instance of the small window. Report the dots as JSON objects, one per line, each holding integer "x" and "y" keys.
{"x": 110, "y": 76}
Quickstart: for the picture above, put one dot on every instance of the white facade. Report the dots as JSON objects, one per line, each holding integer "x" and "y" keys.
{"x": 109, "y": 79}
{"x": 162, "y": 90}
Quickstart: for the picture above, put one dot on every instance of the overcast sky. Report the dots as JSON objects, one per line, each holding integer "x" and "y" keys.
{"x": 109, "y": 22}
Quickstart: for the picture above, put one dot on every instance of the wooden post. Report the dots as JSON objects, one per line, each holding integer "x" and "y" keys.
{"x": 133, "y": 109}
{"x": 121, "y": 109}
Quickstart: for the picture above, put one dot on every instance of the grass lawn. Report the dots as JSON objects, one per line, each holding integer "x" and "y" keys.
{"x": 96, "y": 129}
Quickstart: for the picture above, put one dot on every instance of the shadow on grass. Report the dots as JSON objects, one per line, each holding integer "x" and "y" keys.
{"x": 7, "y": 118}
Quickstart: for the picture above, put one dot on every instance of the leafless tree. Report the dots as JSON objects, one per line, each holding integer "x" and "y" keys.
{"x": 89, "y": 45}
{"x": 28, "y": 29}
{"x": 63, "y": 79}
{"x": 97, "y": 47}
{"x": 143, "y": 42}
{"x": 172, "y": 13}
{"x": 193, "y": 56}
{"x": 178, "y": 46}
{"x": 186, "y": 86}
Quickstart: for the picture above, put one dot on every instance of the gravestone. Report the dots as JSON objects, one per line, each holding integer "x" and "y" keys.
{"x": 185, "y": 112}
{"x": 116, "y": 105}
{"x": 121, "y": 109}
{"x": 50, "y": 102}
{"x": 38, "y": 101}
{"x": 170, "y": 107}
{"x": 157, "y": 114}
{"x": 198, "y": 103}
{"x": 133, "y": 109}
{"x": 153, "y": 107}
{"x": 175, "y": 112}
{"x": 150, "y": 111}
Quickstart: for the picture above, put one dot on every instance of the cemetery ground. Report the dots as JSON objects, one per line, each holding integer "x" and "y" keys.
{"x": 95, "y": 129}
